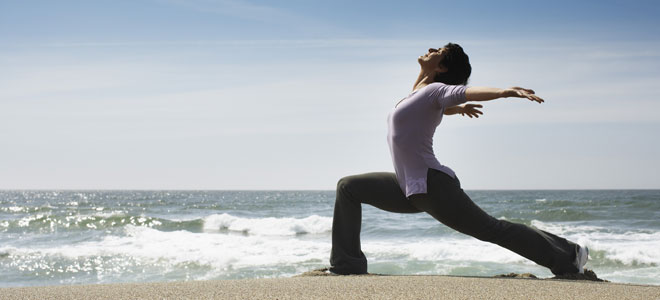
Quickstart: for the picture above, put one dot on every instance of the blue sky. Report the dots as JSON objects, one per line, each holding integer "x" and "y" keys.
{"x": 204, "y": 94}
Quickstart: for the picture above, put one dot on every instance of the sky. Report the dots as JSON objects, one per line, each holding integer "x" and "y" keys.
{"x": 279, "y": 95}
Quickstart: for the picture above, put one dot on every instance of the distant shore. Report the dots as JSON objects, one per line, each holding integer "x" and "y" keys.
{"x": 346, "y": 287}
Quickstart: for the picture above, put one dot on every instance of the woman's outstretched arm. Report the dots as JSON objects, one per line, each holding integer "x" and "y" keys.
{"x": 475, "y": 93}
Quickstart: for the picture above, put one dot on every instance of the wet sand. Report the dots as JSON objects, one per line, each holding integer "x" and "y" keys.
{"x": 346, "y": 287}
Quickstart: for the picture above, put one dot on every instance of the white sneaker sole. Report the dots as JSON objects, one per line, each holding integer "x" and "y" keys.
{"x": 581, "y": 258}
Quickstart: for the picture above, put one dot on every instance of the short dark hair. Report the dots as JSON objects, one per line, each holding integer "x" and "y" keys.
{"x": 457, "y": 64}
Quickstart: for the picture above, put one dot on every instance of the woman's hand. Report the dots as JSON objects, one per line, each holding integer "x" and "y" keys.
{"x": 471, "y": 110}
{"x": 522, "y": 93}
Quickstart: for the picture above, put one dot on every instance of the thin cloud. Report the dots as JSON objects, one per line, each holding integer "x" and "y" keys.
{"x": 262, "y": 13}
{"x": 536, "y": 50}
{"x": 279, "y": 43}
{"x": 239, "y": 9}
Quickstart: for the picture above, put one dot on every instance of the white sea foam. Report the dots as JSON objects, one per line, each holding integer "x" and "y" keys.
{"x": 273, "y": 243}
{"x": 441, "y": 249}
{"x": 226, "y": 253}
{"x": 17, "y": 209}
{"x": 626, "y": 247}
{"x": 644, "y": 275}
{"x": 218, "y": 251}
{"x": 110, "y": 214}
{"x": 567, "y": 228}
{"x": 268, "y": 226}
{"x": 25, "y": 221}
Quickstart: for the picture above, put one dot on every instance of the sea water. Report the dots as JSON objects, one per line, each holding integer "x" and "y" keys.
{"x": 86, "y": 237}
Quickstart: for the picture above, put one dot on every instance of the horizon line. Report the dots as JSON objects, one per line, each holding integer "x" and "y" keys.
{"x": 314, "y": 190}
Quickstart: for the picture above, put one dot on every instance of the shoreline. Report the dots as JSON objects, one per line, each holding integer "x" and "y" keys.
{"x": 347, "y": 287}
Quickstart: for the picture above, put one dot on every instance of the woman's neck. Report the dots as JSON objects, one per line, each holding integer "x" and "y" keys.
{"x": 425, "y": 78}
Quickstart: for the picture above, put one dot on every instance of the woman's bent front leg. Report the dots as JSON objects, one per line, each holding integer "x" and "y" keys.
{"x": 378, "y": 189}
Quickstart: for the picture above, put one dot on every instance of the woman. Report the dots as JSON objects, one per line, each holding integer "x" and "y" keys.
{"x": 422, "y": 184}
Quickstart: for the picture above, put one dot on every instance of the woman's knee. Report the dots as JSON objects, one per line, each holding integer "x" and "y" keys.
{"x": 346, "y": 186}
{"x": 352, "y": 183}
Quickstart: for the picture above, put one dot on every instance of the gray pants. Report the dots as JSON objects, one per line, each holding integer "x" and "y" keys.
{"x": 447, "y": 203}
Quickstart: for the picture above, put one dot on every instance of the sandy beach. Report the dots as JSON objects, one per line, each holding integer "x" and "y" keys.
{"x": 346, "y": 287}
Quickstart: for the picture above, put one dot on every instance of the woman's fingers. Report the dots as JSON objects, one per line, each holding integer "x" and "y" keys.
{"x": 474, "y": 113}
{"x": 471, "y": 110}
{"x": 535, "y": 98}
{"x": 526, "y": 93}
{"x": 530, "y": 96}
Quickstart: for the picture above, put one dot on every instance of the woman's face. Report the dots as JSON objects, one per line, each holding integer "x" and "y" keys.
{"x": 431, "y": 60}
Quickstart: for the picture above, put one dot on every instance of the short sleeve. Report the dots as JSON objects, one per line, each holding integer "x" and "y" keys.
{"x": 445, "y": 96}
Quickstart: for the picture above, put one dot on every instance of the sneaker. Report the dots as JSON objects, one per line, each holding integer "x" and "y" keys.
{"x": 581, "y": 258}
{"x": 328, "y": 272}
{"x": 324, "y": 272}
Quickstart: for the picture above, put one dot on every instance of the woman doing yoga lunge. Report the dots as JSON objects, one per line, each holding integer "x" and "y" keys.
{"x": 422, "y": 184}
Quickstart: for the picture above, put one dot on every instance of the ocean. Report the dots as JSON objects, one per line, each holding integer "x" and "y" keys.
{"x": 87, "y": 237}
